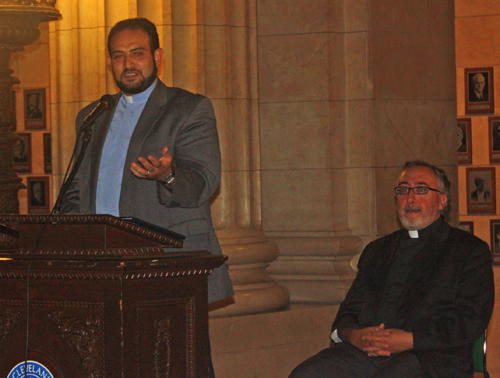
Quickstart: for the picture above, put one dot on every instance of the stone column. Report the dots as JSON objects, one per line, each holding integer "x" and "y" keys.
{"x": 210, "y": 48}
{"x": 230, "y": 66}
{"x": 348, "y": 92}
{"x": 18, "y": 27}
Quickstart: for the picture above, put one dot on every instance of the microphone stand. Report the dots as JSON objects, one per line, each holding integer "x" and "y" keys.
{"x": 86, "y": 133}
{"x": 105, "y": 103}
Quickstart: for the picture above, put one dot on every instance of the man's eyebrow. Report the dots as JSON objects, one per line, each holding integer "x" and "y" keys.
{"x": 419, "y": 183}
{"x": 120, "y": 51}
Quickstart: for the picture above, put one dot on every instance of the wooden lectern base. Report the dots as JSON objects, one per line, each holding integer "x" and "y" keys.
{"x": 104, "y": 317}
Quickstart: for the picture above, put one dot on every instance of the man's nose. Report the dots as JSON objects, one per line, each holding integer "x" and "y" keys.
{"x": 129, "y": 62}
{"x": 411, "y": 197}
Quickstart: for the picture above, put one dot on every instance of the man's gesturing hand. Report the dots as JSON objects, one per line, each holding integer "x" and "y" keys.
{"x": 153, "y": 168}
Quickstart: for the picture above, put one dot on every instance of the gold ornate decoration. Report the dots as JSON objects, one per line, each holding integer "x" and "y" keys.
{"x": 19, "y": 20}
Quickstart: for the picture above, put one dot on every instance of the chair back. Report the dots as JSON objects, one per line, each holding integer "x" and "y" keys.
{"x": 479, "y": 355}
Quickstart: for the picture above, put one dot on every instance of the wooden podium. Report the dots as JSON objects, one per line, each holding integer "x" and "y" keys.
{"x": 105, "y": 301}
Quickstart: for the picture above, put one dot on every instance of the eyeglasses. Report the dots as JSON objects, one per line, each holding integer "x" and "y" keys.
{"x": 419, "y": 190}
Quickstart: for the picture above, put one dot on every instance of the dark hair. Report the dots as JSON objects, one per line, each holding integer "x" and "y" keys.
{"x": 136, "y": 24}
{"x": 444, "y": 185}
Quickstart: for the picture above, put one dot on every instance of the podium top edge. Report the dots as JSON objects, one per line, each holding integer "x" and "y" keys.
{"x": 132, "y": 225}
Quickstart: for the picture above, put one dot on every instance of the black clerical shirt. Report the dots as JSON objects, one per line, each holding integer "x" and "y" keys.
{"x": 401, "y": 266}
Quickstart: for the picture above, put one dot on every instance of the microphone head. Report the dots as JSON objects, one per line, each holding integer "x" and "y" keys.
{"x": 108, "y": 100}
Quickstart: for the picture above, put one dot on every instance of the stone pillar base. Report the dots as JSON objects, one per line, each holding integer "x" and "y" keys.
{"x": 255, "y": 291}
{"x": 316, "y": 270}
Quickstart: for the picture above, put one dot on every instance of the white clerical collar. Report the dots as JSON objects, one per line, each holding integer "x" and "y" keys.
{"x": 140, "y": 97}
{"x": 413, "y": 234}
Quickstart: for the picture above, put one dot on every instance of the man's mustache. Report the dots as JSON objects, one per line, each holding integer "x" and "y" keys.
{"x": 411, "y": 209}
{"x": 130, "y": 70}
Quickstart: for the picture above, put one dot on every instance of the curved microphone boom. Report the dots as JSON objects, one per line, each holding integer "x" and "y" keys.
{"x": 106, "y": 102}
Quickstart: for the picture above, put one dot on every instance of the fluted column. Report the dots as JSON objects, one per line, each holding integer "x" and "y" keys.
{"x": 231, "y": 81}
{"x": 210, "y": 48}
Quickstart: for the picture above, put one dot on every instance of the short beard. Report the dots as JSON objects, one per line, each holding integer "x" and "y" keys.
{"x": 407, "y": 224}
{"x": 132, "y": 89}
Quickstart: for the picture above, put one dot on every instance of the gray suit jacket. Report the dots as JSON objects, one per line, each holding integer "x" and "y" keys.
{"x": 185, "y": 123}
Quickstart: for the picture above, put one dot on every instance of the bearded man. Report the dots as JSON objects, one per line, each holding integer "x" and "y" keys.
{"x": 421, "y": 298}
{"x": 155, "y": 155}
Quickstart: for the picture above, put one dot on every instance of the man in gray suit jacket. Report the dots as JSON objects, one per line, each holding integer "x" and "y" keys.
{"x": 422, "y": 296}
{"x": 155, "y": 155}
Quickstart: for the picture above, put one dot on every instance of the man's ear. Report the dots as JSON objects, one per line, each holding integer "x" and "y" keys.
{"x": 443, "y": 198}
{"x": 158, "y": 56}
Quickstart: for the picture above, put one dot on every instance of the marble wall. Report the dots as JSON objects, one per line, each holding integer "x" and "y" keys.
{"x": 348, "y": 92}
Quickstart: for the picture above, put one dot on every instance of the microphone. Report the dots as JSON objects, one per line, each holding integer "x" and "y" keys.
{"x": 106, "y": 102}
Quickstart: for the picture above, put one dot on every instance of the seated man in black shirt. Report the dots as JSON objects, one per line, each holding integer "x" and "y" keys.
{"x": 422, "y": 296}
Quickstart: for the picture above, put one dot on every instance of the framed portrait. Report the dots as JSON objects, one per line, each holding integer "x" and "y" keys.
{"x": 47, "y": 153}
{"x": 479, "y": 90}
{"x": 38, "y": 195}
{"x": 21, "y": 152}
{"x": 495, "y": 240}
{"x": 494, "y": 139}
{"x": 467, "y": 227}
{"x": 13, "y": 126}
{"x": 481, "y": 194}
{"x": 464, "y": 144}
{"x": 35, "y": 114}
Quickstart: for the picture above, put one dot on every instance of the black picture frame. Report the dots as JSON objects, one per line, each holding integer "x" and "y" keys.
{"x": 494, "y": 139}
{"x": 13, "y": 126}
{"x": 38, "y": 195}
{"x": 495, "y": 240}
{"x": 464, "y": 141}
{"x": 35, "y": 112}
{"x": 481, "y": 192}
{"x": 22, "y": 153}
{"x": 467, "y": 227}
{"x": 47, "y": 153}
{"x": 479, "y": 91}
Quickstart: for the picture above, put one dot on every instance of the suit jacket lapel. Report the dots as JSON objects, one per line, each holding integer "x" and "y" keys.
{"x": 385, "y": 264}
{"x": 154, "y": 108}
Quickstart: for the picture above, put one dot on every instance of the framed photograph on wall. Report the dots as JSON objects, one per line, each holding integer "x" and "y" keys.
{"x": 479, "y": 91}
{"x": 494, "y": 139}
{"x": 38, "y": 195}
{"x": 21, "y": 153}
{"x": 467, "y": 227}
{"x": 464, "y": 144}
{"x": 481, "y": 195}
{"x": 35, "y": 114}
{"x": 47, "y": 153}
{"x": 13, "y": 127}
{"x": 495, "y": 240}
